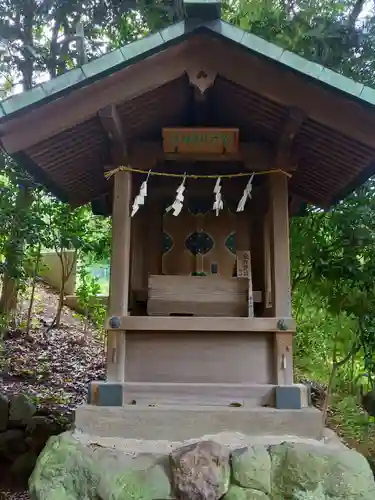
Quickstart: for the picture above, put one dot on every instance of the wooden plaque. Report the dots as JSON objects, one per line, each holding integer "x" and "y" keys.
{"x": 200, "y": 140}
{"x": 244, "y": 271}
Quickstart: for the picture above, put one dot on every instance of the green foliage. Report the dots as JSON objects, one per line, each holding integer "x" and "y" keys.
{"x": 89, "y": 300}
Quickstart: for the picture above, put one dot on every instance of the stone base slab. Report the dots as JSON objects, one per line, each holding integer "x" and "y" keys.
{"x": 179, "y": 423}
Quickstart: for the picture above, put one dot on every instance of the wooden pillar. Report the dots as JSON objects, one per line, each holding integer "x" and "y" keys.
{"x": 154, "y": 238}
{"x": 280, "y": 275}
{"x": 267, "y": 265}
{"x": 119, "y": 281}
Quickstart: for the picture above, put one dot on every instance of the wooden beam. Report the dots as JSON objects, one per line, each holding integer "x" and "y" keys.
{"x": 145, "y": 155}
{"x": 201, "y": 324}
{"x": 200, "y": 107}
{"x": 291, "y": 127}
{"x": 111, "y": 122}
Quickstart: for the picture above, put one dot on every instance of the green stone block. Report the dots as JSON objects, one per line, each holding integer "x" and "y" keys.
{"x": 251, "y": 468}
{"x": 298, "y": 469}
{"x": 261, "y": 46}
{"x": 103, "y": 63}
{"x": 238, "y": 493}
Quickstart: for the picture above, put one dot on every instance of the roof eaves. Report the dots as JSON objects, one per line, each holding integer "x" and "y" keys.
{"x": 294, "y": 62}
{"x": 38, "y": 174}
{"x": 365, "y": 175}
{"x": 99, "y": 68}
{"x": 140, "y": 49}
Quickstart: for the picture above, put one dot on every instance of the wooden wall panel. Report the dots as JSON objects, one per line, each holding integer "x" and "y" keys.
{"x": 211, "y": 357}
{"x": 179, "y": 260}
{"x": 153, "y": 237}
{"x": 219, "y": 228}
{"x": 138, "y": 267}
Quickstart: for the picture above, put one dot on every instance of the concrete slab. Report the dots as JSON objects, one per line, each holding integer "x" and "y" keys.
{"x": 179, "y": 423}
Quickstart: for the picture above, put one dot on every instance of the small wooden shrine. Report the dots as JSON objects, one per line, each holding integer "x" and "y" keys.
{"x": 201, "y": 141}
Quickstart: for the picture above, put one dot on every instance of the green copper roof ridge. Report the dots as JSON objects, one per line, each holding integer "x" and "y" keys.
{"x": 140, "y": 49}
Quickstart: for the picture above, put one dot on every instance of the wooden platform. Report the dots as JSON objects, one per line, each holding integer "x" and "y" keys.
{"x": 198, "y": 296}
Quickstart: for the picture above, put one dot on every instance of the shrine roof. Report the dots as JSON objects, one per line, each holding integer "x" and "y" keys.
{"x": 54, "y": 130}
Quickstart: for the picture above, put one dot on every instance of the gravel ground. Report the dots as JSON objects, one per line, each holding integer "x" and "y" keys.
{"x": 54, "y": 367}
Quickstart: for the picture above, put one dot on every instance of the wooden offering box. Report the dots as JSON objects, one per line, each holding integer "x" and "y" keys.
{"x": 198, "y": 296}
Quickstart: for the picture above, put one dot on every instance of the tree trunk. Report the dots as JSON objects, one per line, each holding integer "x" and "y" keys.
{"x": 33, "y": 286}
{"x": 60, "y": 306}
{"x": 66, "y": 271}
{"x": 13, "y": 254}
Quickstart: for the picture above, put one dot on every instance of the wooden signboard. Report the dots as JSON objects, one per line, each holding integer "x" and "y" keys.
{"x": 200, "y": 140}
{"x": 244, "y": 271}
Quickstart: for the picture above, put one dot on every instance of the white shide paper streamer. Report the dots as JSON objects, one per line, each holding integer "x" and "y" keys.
{"x": 246, "y": 195}
{"x": 179, "y": 200}
{"x": 218, "y": 203}
{"x": 140, "y": 198}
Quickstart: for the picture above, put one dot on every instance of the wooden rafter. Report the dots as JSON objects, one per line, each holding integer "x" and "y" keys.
{"x": 291, "y": 127}
{"x": 111, "y": 122}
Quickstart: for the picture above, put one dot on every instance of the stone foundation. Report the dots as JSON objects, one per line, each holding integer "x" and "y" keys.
{"x": 23, "y": 434}
{"x": 230, "y": 465}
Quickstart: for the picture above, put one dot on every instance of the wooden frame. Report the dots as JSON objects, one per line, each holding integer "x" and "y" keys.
{"x": 147, "y": 154}
{"x": 191, "y": 324}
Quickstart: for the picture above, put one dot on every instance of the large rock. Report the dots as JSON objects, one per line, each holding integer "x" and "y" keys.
{"x": 251, "y": 468}
{"x": 320, "y": 470}
{"x": 71, "y": 469}
{"x": 200, "y": 471}
{"x": 21, "y": 409}
{"x": 12, "y": 444}
{"x": 39, "y": 429}
{"x": 73, "y": 466}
